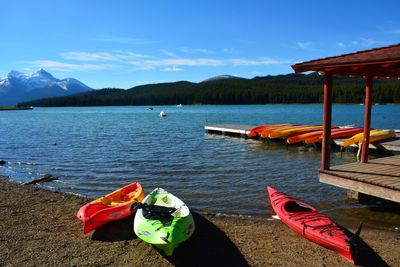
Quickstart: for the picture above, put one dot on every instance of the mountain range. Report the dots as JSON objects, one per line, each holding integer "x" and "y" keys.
{"x": 232, "y": 90}
{"x": 18, "y": 87}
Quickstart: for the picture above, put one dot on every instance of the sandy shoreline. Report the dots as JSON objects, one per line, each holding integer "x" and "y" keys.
{"x": 39, "y": 227}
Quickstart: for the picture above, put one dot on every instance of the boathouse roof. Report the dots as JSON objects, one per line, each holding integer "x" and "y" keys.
{"x": 378, "y": 62}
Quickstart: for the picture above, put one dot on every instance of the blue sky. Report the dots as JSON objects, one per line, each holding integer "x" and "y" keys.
{"x": 128, "y": 43}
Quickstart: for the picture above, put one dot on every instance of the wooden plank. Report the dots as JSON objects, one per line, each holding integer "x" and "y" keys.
{"x": 365, "y": 188}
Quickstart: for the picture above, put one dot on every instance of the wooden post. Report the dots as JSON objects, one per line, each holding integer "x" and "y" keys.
{"x": 326, "y": 140}
{"x": 367, "y": 119}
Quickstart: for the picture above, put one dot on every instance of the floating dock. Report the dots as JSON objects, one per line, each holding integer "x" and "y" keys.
{"x": 238, "y": 130}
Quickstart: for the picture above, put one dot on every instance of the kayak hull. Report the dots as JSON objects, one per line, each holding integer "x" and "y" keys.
{"x": 308, "y": 222}
{"x": 165, "y": 234}
{"x": 335, "y": 134}
{"x": 286, "y": 132}
{"x": 113, "y": 206}
{"x": 316, "y": 136}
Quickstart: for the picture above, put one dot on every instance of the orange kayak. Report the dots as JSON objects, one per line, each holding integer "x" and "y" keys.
{"x": 302, "y": 137}
{"x": 314, "y": 134}
{"x": 256, "y": 131}
{"x": 285, "y": 132}
{"x": 341, "y": 133}
{"x": 266, "y": 132}
{"x": 114, "y": 206}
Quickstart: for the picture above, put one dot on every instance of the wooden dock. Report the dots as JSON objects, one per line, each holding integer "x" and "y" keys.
{"x": 379, "y": 177}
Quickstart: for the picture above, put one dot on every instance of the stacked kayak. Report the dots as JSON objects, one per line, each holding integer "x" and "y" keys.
{"x": 316, "y": 136}
{"x": 310, "y": 134}
{"x": 313, "y": 225}
{"x": 335, "y": 134}
{"x": 293, "y": 130}
{"x": 163, "y": 220}
{"x": 113, "y": 206}
{"x": 256, "y": 131}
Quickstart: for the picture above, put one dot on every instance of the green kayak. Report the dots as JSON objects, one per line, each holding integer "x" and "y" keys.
{"x": 163, "y": 220}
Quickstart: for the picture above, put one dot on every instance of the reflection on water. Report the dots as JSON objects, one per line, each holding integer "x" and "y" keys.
{"x": 94, "y": 150}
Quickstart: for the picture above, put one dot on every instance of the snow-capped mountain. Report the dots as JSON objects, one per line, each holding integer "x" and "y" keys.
{"x": 222, "y": 77}
{"x": 18, "y": 87}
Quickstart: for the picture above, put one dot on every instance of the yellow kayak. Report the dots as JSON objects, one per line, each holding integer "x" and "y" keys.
{"x": 374, "y": 135}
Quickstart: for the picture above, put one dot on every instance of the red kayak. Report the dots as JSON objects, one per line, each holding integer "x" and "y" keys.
{"x": 306, "y": 221}
{"x": 113, "y": 206}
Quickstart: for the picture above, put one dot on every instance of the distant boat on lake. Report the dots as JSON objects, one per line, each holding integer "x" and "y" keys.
{"x": 163, "y": 114}
{"x": 179, "y": 105}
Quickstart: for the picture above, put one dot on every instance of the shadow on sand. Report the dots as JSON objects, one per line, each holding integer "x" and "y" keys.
{"x": 209, "y": 246}
{"x": 118, "y": 230}
{"x": 366, "y": 256}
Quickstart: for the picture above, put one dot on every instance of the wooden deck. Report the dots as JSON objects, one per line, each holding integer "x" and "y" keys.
{"x": 379, "y": 177}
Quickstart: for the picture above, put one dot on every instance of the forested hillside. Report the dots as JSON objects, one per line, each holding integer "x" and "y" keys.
{"x": 290, "y": 88}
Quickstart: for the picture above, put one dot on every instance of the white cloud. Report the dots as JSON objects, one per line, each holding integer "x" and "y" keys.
{"x": 102, "y": 56}
{"x": 86, "y": 56}
{"x": 256, "y": 62}
{"x": 168, "y": 53}
{"x": 362, "y": 42}
{"x": 196, "y": 50}
{"x": 228, "y": 50}
{"x": 171, "y": 69}
{"x": 304, "y": 45}
{"x": 369, "y": 42}
{"x": 340, "y": 44}
{"x": 62, "y": 66}
{"x": 175, "y": 62}
{"x": 93, "y": 61}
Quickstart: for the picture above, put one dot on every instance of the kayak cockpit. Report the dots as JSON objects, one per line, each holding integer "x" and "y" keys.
{"x": 295, "y": 206}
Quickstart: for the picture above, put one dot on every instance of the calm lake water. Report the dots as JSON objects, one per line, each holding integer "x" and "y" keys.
{"x": 94, "y": 150}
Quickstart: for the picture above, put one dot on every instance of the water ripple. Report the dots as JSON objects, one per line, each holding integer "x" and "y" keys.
{"x": 98, "y": 149}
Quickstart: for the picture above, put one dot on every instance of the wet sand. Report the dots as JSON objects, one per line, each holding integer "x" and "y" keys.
{"x": 39, "y": 228}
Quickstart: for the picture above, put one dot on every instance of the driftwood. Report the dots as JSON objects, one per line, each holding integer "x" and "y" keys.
{"x": 42, "y": 179}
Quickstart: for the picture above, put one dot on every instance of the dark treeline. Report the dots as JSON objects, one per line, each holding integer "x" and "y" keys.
{"x": 280, "y": 89}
